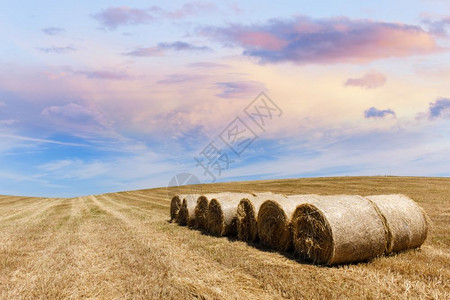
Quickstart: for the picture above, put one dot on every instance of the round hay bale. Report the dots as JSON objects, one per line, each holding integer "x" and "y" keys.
{"x": 175, "y": 205}
{"x": 221, "y": 216}
{"x": 274, "y": 218}
{"x": 186, "y": 214}
{"x": 338, "y": 229}
{"x": 246, "y": 216}
{"x": 406, "y": 223}
{"x": 201, "y": 211}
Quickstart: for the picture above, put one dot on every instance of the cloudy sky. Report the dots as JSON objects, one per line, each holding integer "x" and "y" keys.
{"x": 102, "y": 96}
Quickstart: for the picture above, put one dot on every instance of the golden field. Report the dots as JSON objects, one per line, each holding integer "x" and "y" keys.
{"x": 121, "y": 246}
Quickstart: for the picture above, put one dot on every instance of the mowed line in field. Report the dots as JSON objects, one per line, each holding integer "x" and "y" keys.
{"x": 26, "y": 247}
{"x": 105, "y": 255}
{"x": 186, "y": 269}
{"x": 81, "y": 258}
{"x": 6, "y": 201}
{"x": 143, "y": 264}
{"x": 136, "y": 203}
{"x": 146, "y": 213}
{"x": 24, "y": 220}
{"x": 162, "y": 199}
{"x": 153, "y": 205}
{"x": 24, "y": 203}
{"x": 48, "y": 274}
{"x": 19, "y": 212}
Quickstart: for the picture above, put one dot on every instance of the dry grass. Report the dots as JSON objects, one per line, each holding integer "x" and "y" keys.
{"x": 121, "y": 245}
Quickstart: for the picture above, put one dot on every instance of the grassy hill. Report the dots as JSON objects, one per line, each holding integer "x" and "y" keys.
{"x": 121, "y": 245}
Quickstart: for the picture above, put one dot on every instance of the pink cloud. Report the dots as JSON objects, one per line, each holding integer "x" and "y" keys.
{"x": 370, "y": 80}
{"x": 326, "y": 41}
{"x": 259, "y": 39}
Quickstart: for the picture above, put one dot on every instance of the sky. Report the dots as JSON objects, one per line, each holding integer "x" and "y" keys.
{"x": 105, "y": 96}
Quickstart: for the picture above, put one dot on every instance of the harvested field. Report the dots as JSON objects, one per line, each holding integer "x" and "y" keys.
{"x": 121, "y": 245}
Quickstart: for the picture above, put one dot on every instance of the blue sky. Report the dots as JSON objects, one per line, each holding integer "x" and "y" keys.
{"x": 103, "y": 96}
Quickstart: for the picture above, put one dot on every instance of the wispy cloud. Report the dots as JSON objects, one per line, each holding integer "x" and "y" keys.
{"x": 182, "y": 46}
{"x": 145, "y": 52}
{"x": 101, "y": 74}
{"x": 38, "y": 140}
{"x": 238, "y": 89}
{"x": 53, "y": 30}
{"x": 440, "y": 108}
{"x": 190, "y": 9}
{"x": 161, "y": 49}
{"x": 79, "y": 120}
{"x": 437, "y": 25}
{"x": 304, "y": 40}
{"x": 8, "y": 122}
{"x": 179, "y": 78}
{"x": 378, "y": 113}
{"x": 55, "y": 165}
{"x": 57, "y": 49}
{"x": 114, "y": 17}
{"x": 207, "y": 65}
{"x": 370, "y": 80}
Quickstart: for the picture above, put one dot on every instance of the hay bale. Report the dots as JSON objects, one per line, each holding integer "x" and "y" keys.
{"x": 221, "y": 219}
{"x": 274, "y": 218}
{"x": 175, "y": 205}
{"x": 246, "y": 216}
{"x": 406, "y": 223}
{"x": 338, "y": 229}
{"x": 201, "y": 211}
{"x": 186, "y": 214}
